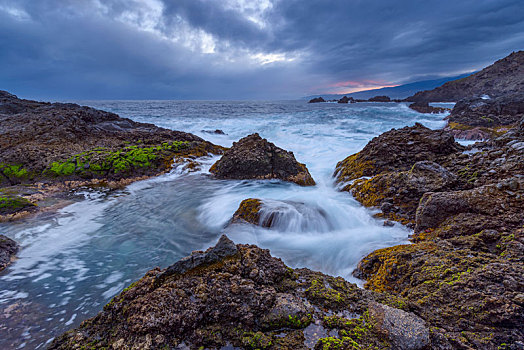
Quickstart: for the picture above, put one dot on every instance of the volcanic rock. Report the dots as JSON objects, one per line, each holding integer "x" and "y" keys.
{"x": 46, "y": 145}
{"x": 481, "y": 118}
{"x": 317, "y": 100}
{"x": 404, "y": 330}
{"x": 397, "y": 150}
{"x": 242, "y": 298}
{"x": 253, "y": 157}
{"x": 8, "y": 249}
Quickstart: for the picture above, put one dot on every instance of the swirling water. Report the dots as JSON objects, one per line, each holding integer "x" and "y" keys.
{"x": 75, "y": 260}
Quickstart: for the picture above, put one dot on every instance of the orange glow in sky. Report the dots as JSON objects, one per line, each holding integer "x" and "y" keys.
{"x": 349, "y": 86}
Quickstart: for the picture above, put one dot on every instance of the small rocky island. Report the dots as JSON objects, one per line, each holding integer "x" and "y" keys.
{"x": 253, "y": 157}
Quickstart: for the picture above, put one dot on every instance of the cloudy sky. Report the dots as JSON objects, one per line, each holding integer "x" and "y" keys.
{"x": 244, "y": 49}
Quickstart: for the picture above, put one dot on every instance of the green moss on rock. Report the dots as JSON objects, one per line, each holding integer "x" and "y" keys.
{"x": 105, "y": 162}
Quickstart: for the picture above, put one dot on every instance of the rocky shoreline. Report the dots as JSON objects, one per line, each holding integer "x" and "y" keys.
{"x": 47, "y": 149}
{"x": 458, "y": 285}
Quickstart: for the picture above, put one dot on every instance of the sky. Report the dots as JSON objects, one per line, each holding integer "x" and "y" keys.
{"x": 245, "y": 49}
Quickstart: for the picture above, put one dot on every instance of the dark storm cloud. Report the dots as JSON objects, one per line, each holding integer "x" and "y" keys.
{"x": 232, "y": 49}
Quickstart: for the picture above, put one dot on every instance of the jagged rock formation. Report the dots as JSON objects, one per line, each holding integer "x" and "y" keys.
{"x": 504, "y": 77}
{"x": 53, "y": 142}
{"x": 397, "y": 150}
{"x": 346, "y": 99}
{"x": 253, "y": 157}
{"x": 465, "y": 269}
{"x": 241, "y": 296}
{"x": 478, "y": 118}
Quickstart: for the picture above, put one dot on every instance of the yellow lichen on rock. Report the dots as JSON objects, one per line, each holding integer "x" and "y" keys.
{"x": 353, "y": 167}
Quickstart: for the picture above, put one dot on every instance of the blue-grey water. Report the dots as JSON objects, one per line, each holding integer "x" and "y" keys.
{"x": 75, "y": 260}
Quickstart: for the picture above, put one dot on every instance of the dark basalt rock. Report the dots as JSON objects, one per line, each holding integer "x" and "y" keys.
{"x": 397, "y": 150}
{"x": 317, "y": 100}
{"x": 465, "y": 268}
{"x": 380, "y": 99}
{"x": 400, "y": 192}
{"x": 493, "y": 112}
{"x": 223, "y": 249}
{"x": 247, "y": 300}
{"x": 255, "y": 158}
{"x": 44, "y": 144}
{"x": 424, "y": 107}
{"x": 34, "y": 135}
{"x": 8, "y": 249}
{"x": 404, "y": 330}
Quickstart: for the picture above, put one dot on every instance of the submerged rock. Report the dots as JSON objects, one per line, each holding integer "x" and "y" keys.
{"x": 243, "y": 298}
{"x": 216, "y": 132}
{"x": 286, "y": 216}
{"x": 253, "y": 157}
{"x": 8, "y": 249}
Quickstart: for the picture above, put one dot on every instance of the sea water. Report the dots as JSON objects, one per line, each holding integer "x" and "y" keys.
{"x": 72, "y": 262}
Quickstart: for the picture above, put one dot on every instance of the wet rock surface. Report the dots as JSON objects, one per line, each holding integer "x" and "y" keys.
{"x": 465, "y": 270}
{"x": 47, "y": 143}
{"x": 8, "y": 249}
{"x": 253, "y": 157}
{"x": 248, "y": 300}
{"x": 483, "y": 118}
{"x": 397, "y": 150}
{"x": 404, "y": 330}
{"x": 282, "y": 215}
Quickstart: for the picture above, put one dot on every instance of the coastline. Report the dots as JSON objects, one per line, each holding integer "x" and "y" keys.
{"x": 380, "y": 268}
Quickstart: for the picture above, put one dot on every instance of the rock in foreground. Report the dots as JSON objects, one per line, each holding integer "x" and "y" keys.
{"x": 255, "y": 158}
{"x": 8, "y": 248}
{"x": 465, "y": 269}
{"x": 241, "y": 296}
